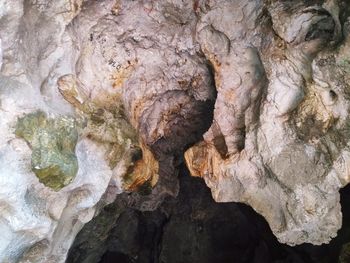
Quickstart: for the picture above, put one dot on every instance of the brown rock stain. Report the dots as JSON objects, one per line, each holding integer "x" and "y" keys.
{"x": 312, "y": 118}
{"x": 116, "y": 8}
{"x": 196, "y": 159}
{"x": 123, "y": 73}
{"x": 143, "y": 170}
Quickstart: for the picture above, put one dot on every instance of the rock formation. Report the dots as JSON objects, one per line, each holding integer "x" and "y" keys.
{"x": 194, "y": 228}
{"x": 103, "y": 97}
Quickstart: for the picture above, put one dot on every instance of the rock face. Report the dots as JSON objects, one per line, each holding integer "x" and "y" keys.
{"x": 101, "y": 97}
{"x": 193, "y": 227}
{"x": 53, "y": 147}
{"x": 278, "y": 141}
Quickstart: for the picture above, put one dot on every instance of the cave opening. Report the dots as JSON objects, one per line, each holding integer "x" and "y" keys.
{"x": 113, "y": 92}
{"x": 194, "y": 228}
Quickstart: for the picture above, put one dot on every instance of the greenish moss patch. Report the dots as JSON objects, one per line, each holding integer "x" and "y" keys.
{"x": 53, "y": 144}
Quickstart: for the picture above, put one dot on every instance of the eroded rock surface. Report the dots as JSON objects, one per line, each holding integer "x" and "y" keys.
{"x": 278, "y": 141}
{"x": 195, "y": 228}
{"x": 260, "y": 87}
{"x": 192, "y": 226}
{"x": 53, "y": 144}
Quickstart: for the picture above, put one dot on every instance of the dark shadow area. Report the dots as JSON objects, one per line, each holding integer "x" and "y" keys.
{"x": 194, "y": 229}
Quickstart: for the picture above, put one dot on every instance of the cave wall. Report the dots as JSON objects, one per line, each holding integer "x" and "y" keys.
{"x": 98, "y": 98}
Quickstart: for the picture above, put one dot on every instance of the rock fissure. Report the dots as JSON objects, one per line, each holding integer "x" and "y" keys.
{"x": 252, "y": 95}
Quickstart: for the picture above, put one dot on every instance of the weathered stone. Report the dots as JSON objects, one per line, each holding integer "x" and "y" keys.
{"x": 52, "y": 141}
{"x": 193, "y": 228}
{"x": 279, "y": 138}
{"x": 106, "y": 123}
{"x": 264, "y": 86}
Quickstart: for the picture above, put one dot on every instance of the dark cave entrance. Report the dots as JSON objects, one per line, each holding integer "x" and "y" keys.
{"x": 192, "y": 228}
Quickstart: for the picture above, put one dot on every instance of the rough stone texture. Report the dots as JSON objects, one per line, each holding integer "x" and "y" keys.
{"x": 194, "y": 228}
{"x": 146, "y": 79}
{"x": 53, "y": 147}
{"x": 190, "y": 228}
{"x": 279, "y": 138}
{"x": 40, "y": 55}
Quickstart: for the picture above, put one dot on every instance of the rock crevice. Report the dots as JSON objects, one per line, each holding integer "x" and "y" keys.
{"x": 256, "y": 93}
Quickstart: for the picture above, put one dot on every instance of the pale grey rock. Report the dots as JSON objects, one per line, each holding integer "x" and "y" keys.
{"x": 39, "y": 224}
{"x": 279, "y": 147}
{"x": 276, "y": 138}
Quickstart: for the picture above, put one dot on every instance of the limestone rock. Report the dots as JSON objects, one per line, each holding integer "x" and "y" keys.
{"x": 279, "y": 138}
{"x": 53, "y": 147}
{"x": 264, "y": 102}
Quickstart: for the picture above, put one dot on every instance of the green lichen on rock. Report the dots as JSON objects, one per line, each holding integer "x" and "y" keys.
{"x": 110, "y": 127}
{"x": 53, "y": 142}
{"x": 106, "y": 123}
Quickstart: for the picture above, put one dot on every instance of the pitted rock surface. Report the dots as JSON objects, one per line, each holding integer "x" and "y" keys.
{"x": 256, "y": 92}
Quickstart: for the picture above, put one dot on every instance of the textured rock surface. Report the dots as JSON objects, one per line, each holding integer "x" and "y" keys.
{"x": 194, "y": 228}
{"x": 279, "y": 138}
{"x": 40, "y": 57}
{"x": 145, "y": 80}
{"x": 53, "y": 147}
